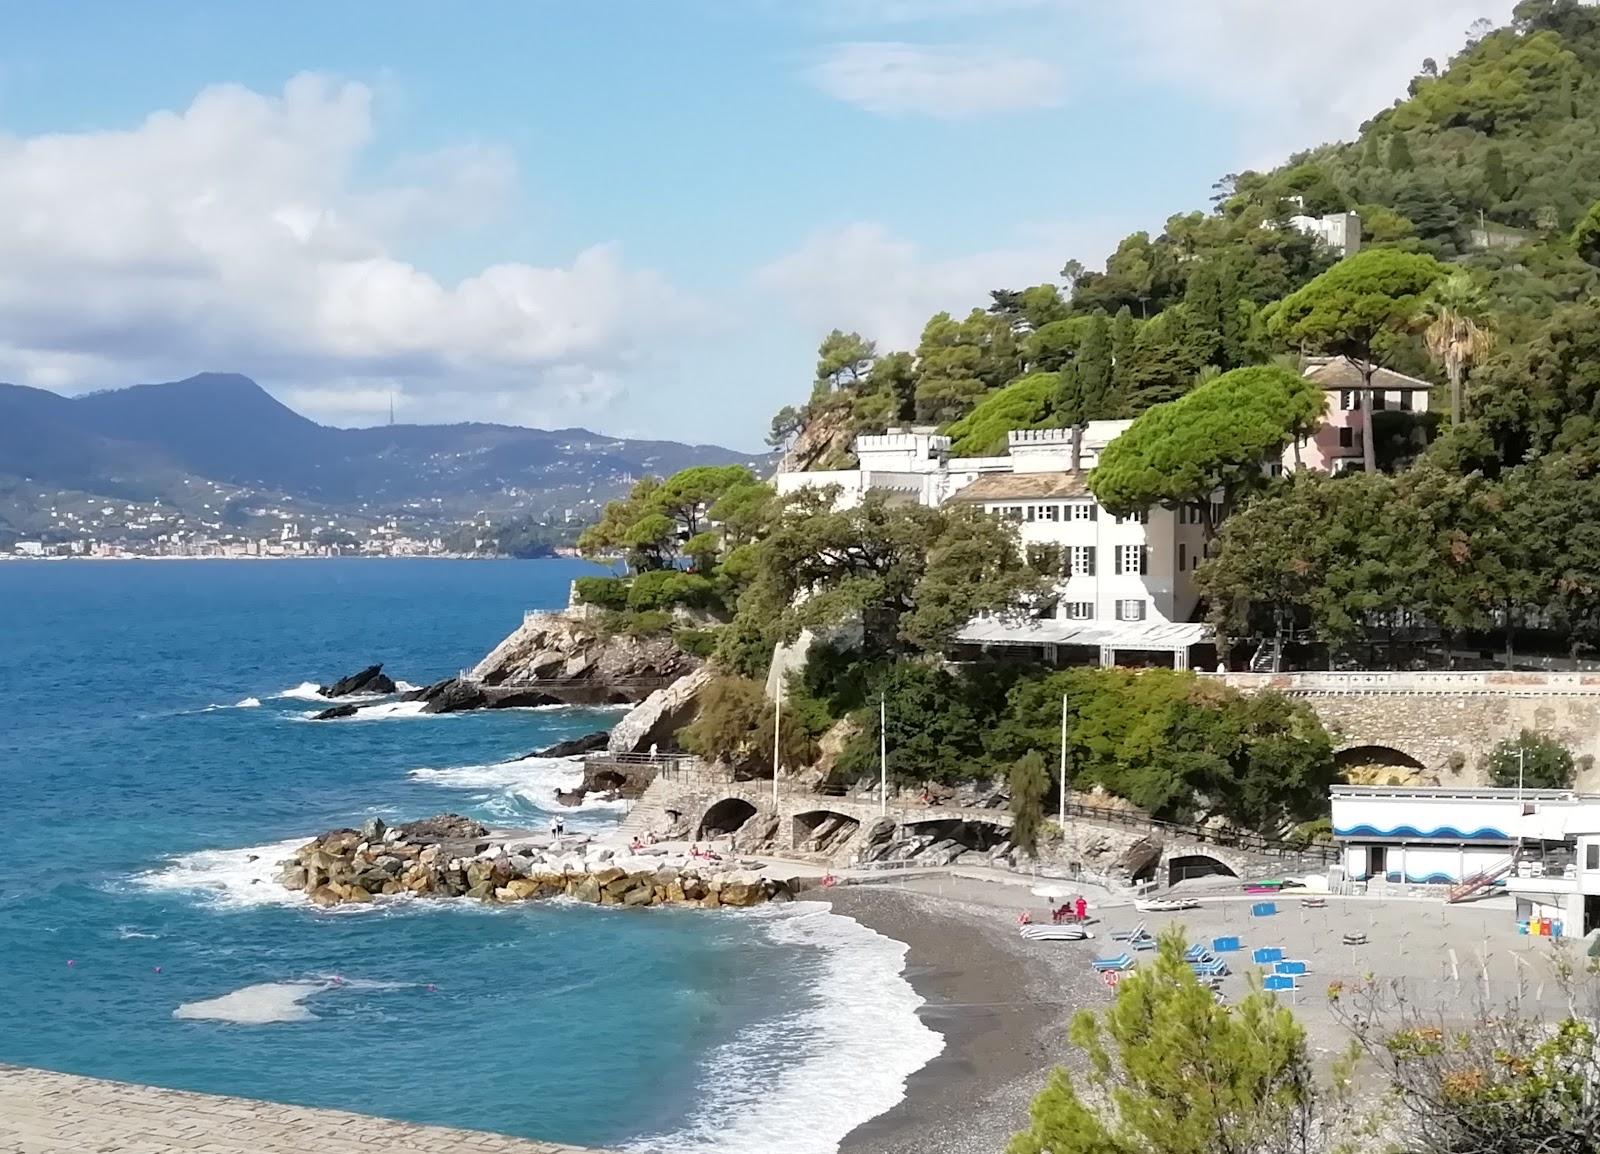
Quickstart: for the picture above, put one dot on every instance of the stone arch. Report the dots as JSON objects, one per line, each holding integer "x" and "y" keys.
{"x": 966, "y": 833}
{"x": 822, "y": 830}
{"x": 1373, "y": 753}
{"x": 1197, "y": 865}
{"x": 724, "y": 817}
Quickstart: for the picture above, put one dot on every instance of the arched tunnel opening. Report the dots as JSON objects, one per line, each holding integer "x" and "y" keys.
{"x": 726, "y": 817}
{"x": 1377, "y": 765}
{"x": 948, "y": 839}
{"x": 1197, "y": 866}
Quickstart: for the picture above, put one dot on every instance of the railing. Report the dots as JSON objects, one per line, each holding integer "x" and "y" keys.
{"x": 1227, "y": 838}
{"x": 1408, "y": 681}
{"x": 681, "y": 768}
{"x": 1480, "y": 882}
{"x": 650, "y": 682}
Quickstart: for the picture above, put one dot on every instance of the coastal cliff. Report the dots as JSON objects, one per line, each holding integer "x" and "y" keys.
{"x": 450, "y": 856}
{"x": 569, "y": 645}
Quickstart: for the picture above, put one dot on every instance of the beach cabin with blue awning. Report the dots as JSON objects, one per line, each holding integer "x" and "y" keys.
{"x": 1540, "y": 845}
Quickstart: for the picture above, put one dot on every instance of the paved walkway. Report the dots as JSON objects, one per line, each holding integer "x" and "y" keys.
{"x": 45, "y": 1113}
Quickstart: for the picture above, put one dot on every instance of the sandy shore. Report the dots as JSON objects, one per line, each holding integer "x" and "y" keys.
{"x": 1001, "y": 1003}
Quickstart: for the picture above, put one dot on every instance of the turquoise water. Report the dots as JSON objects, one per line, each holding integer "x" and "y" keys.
{"x": 149, "y": 753}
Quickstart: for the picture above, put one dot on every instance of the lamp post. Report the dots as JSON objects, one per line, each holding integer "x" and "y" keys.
{"x": 777, "y": 723}
{"x": 1061, "y": 817}
{"x": 883, "y": 754}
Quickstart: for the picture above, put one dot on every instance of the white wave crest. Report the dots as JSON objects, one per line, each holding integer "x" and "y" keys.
{"x": 305, "y": 691}
{"x": 515, "y": 789}
{"x": 228, "y": 878}
{"x": 248, "y": 703}
{"x": 382, "y": 711}
{"x": 405, "y": 686}
{"x": 857, "y": 1044}
{"x": 128, "y": 933}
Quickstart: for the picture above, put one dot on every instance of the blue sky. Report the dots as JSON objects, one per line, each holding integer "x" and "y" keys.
{"x": 640, "y": 216}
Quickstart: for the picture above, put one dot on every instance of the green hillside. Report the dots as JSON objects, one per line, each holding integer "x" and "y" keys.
{"x": 1479, "y": 199}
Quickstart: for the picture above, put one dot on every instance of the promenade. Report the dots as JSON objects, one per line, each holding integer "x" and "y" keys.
{"x": 47, "y": 1113}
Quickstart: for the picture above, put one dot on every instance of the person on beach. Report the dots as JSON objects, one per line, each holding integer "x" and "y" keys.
{"x": 1081, "y": 908}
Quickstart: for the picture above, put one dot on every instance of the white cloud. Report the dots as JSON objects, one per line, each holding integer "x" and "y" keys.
{"x": 236, "y": 235}
{"x": 1294, "y": 72}
{"x": 947, "y": 82}
{"x": 865, "y": 278}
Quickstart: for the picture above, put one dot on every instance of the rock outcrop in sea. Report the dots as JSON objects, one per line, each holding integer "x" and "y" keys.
{"x": 452, "y": 856}
{"x": 371, "y": 680}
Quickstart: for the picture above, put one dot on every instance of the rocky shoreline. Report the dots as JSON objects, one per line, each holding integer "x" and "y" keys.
{"x": 450, "y": 856}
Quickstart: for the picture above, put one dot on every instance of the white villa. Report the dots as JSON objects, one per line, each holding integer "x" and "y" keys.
{"x": 1127, "y": 583}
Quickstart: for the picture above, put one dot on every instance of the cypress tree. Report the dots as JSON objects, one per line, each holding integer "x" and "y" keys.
{"x": 1400, "y": 154}
{"x": 1494, "y": 174}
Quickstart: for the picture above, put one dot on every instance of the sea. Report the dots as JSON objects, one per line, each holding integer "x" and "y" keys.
{"x": 157, "y": 759}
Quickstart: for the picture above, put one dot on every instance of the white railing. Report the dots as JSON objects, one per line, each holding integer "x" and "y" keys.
{"x": 1408, "y": 681}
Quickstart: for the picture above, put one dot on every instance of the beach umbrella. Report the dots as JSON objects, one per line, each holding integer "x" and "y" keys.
{"x": 1052, "y": 893}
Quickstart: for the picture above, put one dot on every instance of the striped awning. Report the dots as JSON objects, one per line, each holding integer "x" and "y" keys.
{"x": 1156, "y": 635}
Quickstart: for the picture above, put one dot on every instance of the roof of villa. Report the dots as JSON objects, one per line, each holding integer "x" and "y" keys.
{"x": 1342, "y": 373}
{"x": 1025, "y": 487}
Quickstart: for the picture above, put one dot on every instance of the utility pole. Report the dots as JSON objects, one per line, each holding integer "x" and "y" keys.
{"x": 777, "y": 724}
{"x": 1061, "y": 818}
{"x": 883, "y": 754}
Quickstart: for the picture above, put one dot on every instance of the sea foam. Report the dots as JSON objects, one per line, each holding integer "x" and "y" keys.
{"x": 811, "y": 1077}
{"x": 257, "y": 1005}
{"x": 513, "y": 789}
{"x": 229, "y": 878}
{"x": 266, "y": 1003}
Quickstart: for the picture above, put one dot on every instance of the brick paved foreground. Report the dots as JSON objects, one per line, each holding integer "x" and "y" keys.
{"x": 46, "y": 1113}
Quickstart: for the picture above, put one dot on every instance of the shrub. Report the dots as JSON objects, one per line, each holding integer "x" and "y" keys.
{"x": 1029, "y": 783}
{"x": 665, "y": 588}
{"x": 649, "y": 624}
{"x": 1532, "y": 760}
{"x": 696, "y": 642}
{"x": 604, "y": 592}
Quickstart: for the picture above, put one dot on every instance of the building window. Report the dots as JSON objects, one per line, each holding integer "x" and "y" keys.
{"x": 1080, "y": 610}
{"x": 1591, "y": 857}
{"x": 1082, "y": 561}
{"x": 1216, "y": 512}
{"x": 1084, "y": 511}
{"x": 1132, "y": 559}
{"x": 1347, "y": 438}
{"x": 1049, "y": 512}
{"x": 1183, "y": 555}
{"x": 1013, "y": 513}
{"x": 1379, "y": 400}
{"x": 1130, "y": 610}
{"x": 1349, "y": 400}
{"x": 1027, "y": 513}
{"x": 1136, "y": 518}
{"x": 1405, "y": 400}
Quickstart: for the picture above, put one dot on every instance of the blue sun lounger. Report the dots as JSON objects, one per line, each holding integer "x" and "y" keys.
{"x": 1197, "y": 953}
{"x": 1212, "y": 969}
{"x": 1267, "y": 955}
{"x": 1228, "y": 945}
{"x": 1119, "y": 962}
{"x": 1291, "y": 968}
{"x": 1137, "y": 932}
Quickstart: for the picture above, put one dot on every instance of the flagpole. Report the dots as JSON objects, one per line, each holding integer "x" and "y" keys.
{"x": 777, "y": 722}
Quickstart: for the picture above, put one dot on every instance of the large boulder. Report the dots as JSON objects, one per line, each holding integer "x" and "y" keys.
{"x": 336, "y": 712}
{"x": 576, "y": 746}
{"x": 657, "y": 719}
{"x": 452, "y": 695}
{"x": 568, "y": 645}
{"x": 443, "y": 827}
{"x": 370, "y": 680}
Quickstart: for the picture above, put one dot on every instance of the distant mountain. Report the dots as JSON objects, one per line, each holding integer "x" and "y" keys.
{"x": 226, "y": 428}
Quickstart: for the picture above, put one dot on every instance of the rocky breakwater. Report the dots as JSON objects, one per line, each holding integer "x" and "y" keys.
{"x": 454, "y": 857}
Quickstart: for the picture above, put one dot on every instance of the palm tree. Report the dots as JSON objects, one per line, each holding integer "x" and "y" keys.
{"x": 1460, "y": 332}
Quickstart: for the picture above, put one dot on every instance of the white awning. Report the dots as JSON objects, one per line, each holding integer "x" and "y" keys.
{"x": 1155, "y": 635}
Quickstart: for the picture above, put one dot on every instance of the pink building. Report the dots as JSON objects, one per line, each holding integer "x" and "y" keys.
{"x": 1336, "y": 446}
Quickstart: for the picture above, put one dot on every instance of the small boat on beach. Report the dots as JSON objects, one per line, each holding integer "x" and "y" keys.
{"x": 1164, "y": 905}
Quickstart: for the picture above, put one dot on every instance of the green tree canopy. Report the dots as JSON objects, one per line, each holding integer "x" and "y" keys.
{"x": 1216, "y": 439}
{"x": 1026, "y": 403}
{"x": 1358, "y": 309}
{"x": 1169, "y": 1070}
